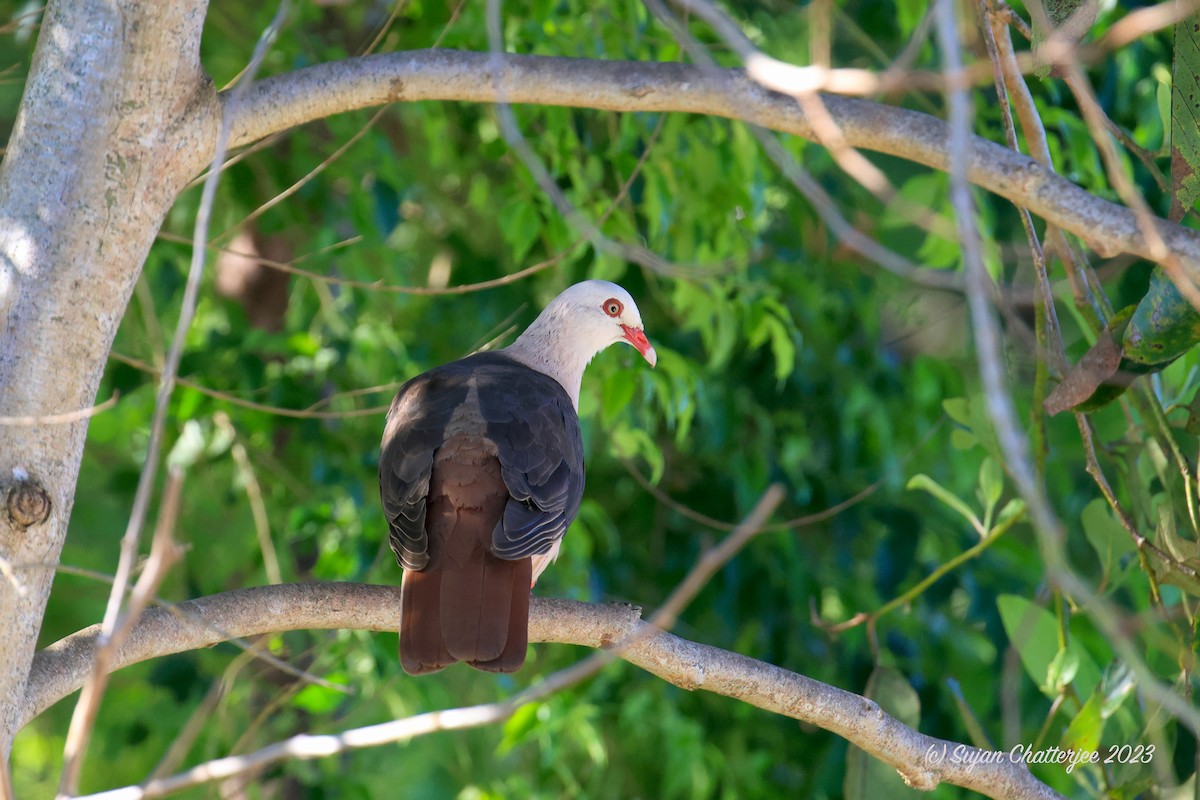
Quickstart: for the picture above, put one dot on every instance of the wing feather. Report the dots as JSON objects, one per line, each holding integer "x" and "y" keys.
{"x": 532, "y": 422}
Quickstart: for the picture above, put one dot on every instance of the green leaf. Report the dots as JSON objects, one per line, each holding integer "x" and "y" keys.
{"x": 518, "y": 727}
{"x": 991, "y": 484}
{"x": 867, "y": 778}
{"x": 188, "y": 447}
{"x": 1185, "y": 118}
{"x": 1013, "y": 508}
{"x": 1164, "y": 325}
{"x": 1083, "y": 734}
{"x": 630, "y": 442}
{"x": 318, "y": 699}
{"x": 958, "y": 409}
{"x": 1119, "y": 683}
{"x": 521, "y": 227}
{"x": 1033, "y": 632}
{"x": 928, "y": 484}
{"x": 614, "y": 397}
{"x": 1105, "y": 534}
{"x": 963, "y": 440}
{"x": 1062, "y": 670}
{"x": 1180, "y": 563}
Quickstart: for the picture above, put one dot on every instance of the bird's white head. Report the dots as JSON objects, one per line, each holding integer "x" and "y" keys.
{"x": 585, "y": 319}
{"x": 600, "y": 313}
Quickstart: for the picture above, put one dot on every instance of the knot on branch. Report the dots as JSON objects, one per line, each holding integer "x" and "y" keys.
{"x": 28, "y": 503}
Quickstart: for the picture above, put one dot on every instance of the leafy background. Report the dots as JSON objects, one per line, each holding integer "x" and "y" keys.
{"x": 784, "y": 357}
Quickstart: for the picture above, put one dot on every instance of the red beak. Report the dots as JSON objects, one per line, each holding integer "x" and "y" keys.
{"x": 637, "y": 338}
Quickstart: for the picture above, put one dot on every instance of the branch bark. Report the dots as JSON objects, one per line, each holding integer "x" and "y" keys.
{"x": 283, "y": 101}
{"x": 924, "y": 761}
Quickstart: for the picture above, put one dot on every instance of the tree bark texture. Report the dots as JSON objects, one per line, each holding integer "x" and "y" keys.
{"x": 114, "y": 113}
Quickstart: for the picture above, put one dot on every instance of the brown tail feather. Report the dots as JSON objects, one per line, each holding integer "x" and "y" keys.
{"x": 421, "y": 647}
{"x": 476, "y": 604}
{"x": 517, "y": 641}
{"x": 467, "y": 605}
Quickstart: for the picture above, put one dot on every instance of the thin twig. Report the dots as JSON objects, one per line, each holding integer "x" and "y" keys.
{"x": 1140, "y": 153}
{"x": 449, "y": 24}
{"x": 65, "y": 417}
{"x": 787, "y": 79}
{"x": 712, "y": 522}
{"x": 397, "y": 7}
{"x": 435, "y": 291}
{"x": 1079, "y": 273}
{"x": 258, "y": 508}
{"x": 574, "y": 217}
{"x": 1095, "y": 117}
{"x": 253, "y": 406}
{"x": 933, "y": 577}
{"x": 164, "y": 553}
{"x": 712, "y": 560}
{"x": 820, "y": 200}
{"x": 303, "y": 181}
{"x": 1046, "y": 327}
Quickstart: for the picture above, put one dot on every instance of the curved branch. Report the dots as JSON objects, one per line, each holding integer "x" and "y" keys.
{"x": 923, "y": 760}
{"x": 283, "y": 101}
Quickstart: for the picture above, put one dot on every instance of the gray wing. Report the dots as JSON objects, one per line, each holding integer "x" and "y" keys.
{"x": 532, "y": 422}
{"x": 415, "y": 429}
{"x": 536, "y": 432}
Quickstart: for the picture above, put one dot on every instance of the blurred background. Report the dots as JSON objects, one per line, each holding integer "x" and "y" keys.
{"x": 344, "y": 258}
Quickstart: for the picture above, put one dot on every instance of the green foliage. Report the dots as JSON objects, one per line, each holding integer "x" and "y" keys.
{"x": 783, "y": 357}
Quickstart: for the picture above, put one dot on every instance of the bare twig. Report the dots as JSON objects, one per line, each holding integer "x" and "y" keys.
{"x": 379, "y": 286}
{"x": 181, "y": 611}
{"x": 299, "y": 184}
{"x": 163, "y": 555}
{"x": 449, "y": 24}
{"x": 258, "y": 509}
{"x": 721, "y": 525}
{"x": 787, "y": 79}
{"x": 820, "y": 200}
{"x": 574, "y": 217}
{"x": 1046, "y": 328}
{"x": 292, "y": 413}
{"x": 1096, "y": 120}
{"x": 397, "y": 7}
{"x": 1078, "y": 272}
{"x": 906, "y": 597}
{"x": 66, "y": 417}
{"x": 712, "y": 560}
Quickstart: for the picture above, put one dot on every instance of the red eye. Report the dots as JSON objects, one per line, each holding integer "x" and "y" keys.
{"x": 613, "y": 307}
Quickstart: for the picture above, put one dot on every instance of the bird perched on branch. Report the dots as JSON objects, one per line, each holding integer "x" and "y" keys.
{"x": 481, "y": 473}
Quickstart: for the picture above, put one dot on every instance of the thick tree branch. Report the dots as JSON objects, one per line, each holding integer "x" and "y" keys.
{"x": 294, "y": 98}
{"x": 60, "y": 669}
